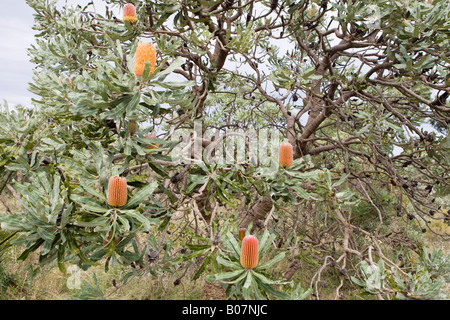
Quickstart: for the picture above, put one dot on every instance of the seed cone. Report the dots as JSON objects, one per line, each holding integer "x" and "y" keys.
{"x": 108, "y": 239}
{"x": 249, "y": 252}
{"x": 152, "y": 146}
{"x": 129, "y": 13}
{"x": 132, "y": 127}
{"x": 117, "y": 191}
{"x": 144, "y": 52}
{"x": 285, "y": 155}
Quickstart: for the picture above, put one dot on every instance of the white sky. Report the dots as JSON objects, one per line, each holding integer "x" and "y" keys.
{"x": 16, "y": 36}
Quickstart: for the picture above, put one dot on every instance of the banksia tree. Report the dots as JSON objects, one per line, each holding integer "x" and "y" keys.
{"x": 117, "y": 191}
{"x": 360, "y": 151}
{"x": 145, "y": 51}
{"x": 129, "y": 13}
{"x": 249, "y": 252}
{"x": 285, "y": 155}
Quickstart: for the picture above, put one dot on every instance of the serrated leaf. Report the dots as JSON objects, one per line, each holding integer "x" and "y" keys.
{"x": 47, "y": 236}
{"x": 146, "y": 222}
{"x": 189, "y": 256}
{"x": 202, "y": 267}
{"x": 257, "y": 290}
{"x": 265, "y": 286}
{"x": 301, "y": 192}
{"x": 195, "y": 247}
{"x": 99, "y": 221}
{"x": 228, "y": 263}
{"x": 174, "y": 65}
{"x": 271, "y": 262}
{"x": 265, "y": 242}
{"x": 141, "y": 195}
{"x": 248, "y": 280}
{"x": 230, "y": 277}
{"x": 65, "y": 215}
{"x": 341, "y": 180}
{"x": 230, "y": 241}
{"x": 92, "y": 191}
{"x": 89, "y": 204}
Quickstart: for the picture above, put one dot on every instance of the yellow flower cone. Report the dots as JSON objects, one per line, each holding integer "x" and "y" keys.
{"x": 129, "y": 13}
{"x": 144, "y": 52}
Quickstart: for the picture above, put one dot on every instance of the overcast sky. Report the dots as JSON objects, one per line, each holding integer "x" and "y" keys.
{"x": 16, "y": 35}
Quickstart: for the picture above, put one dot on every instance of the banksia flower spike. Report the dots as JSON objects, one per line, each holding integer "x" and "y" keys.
{"x": 144, "y": 52}
{"x": 285, "y": 155}
{"x": 249, "y": 252}
{"x": 152, "y": 146}
{"x": 242, "y": 233}
{"x": 117, "y": 191}
{"x": 129, "y": 13}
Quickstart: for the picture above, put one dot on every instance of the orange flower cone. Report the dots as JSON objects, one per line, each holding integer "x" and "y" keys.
{"x": 129, "y": 13}
{"x": 152, "y": 146}
{"x": 117, "y": 191}
{"x": 144, "y": 52}
{"x": 285, "y": 155}
{"x": 249, "y": 252}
